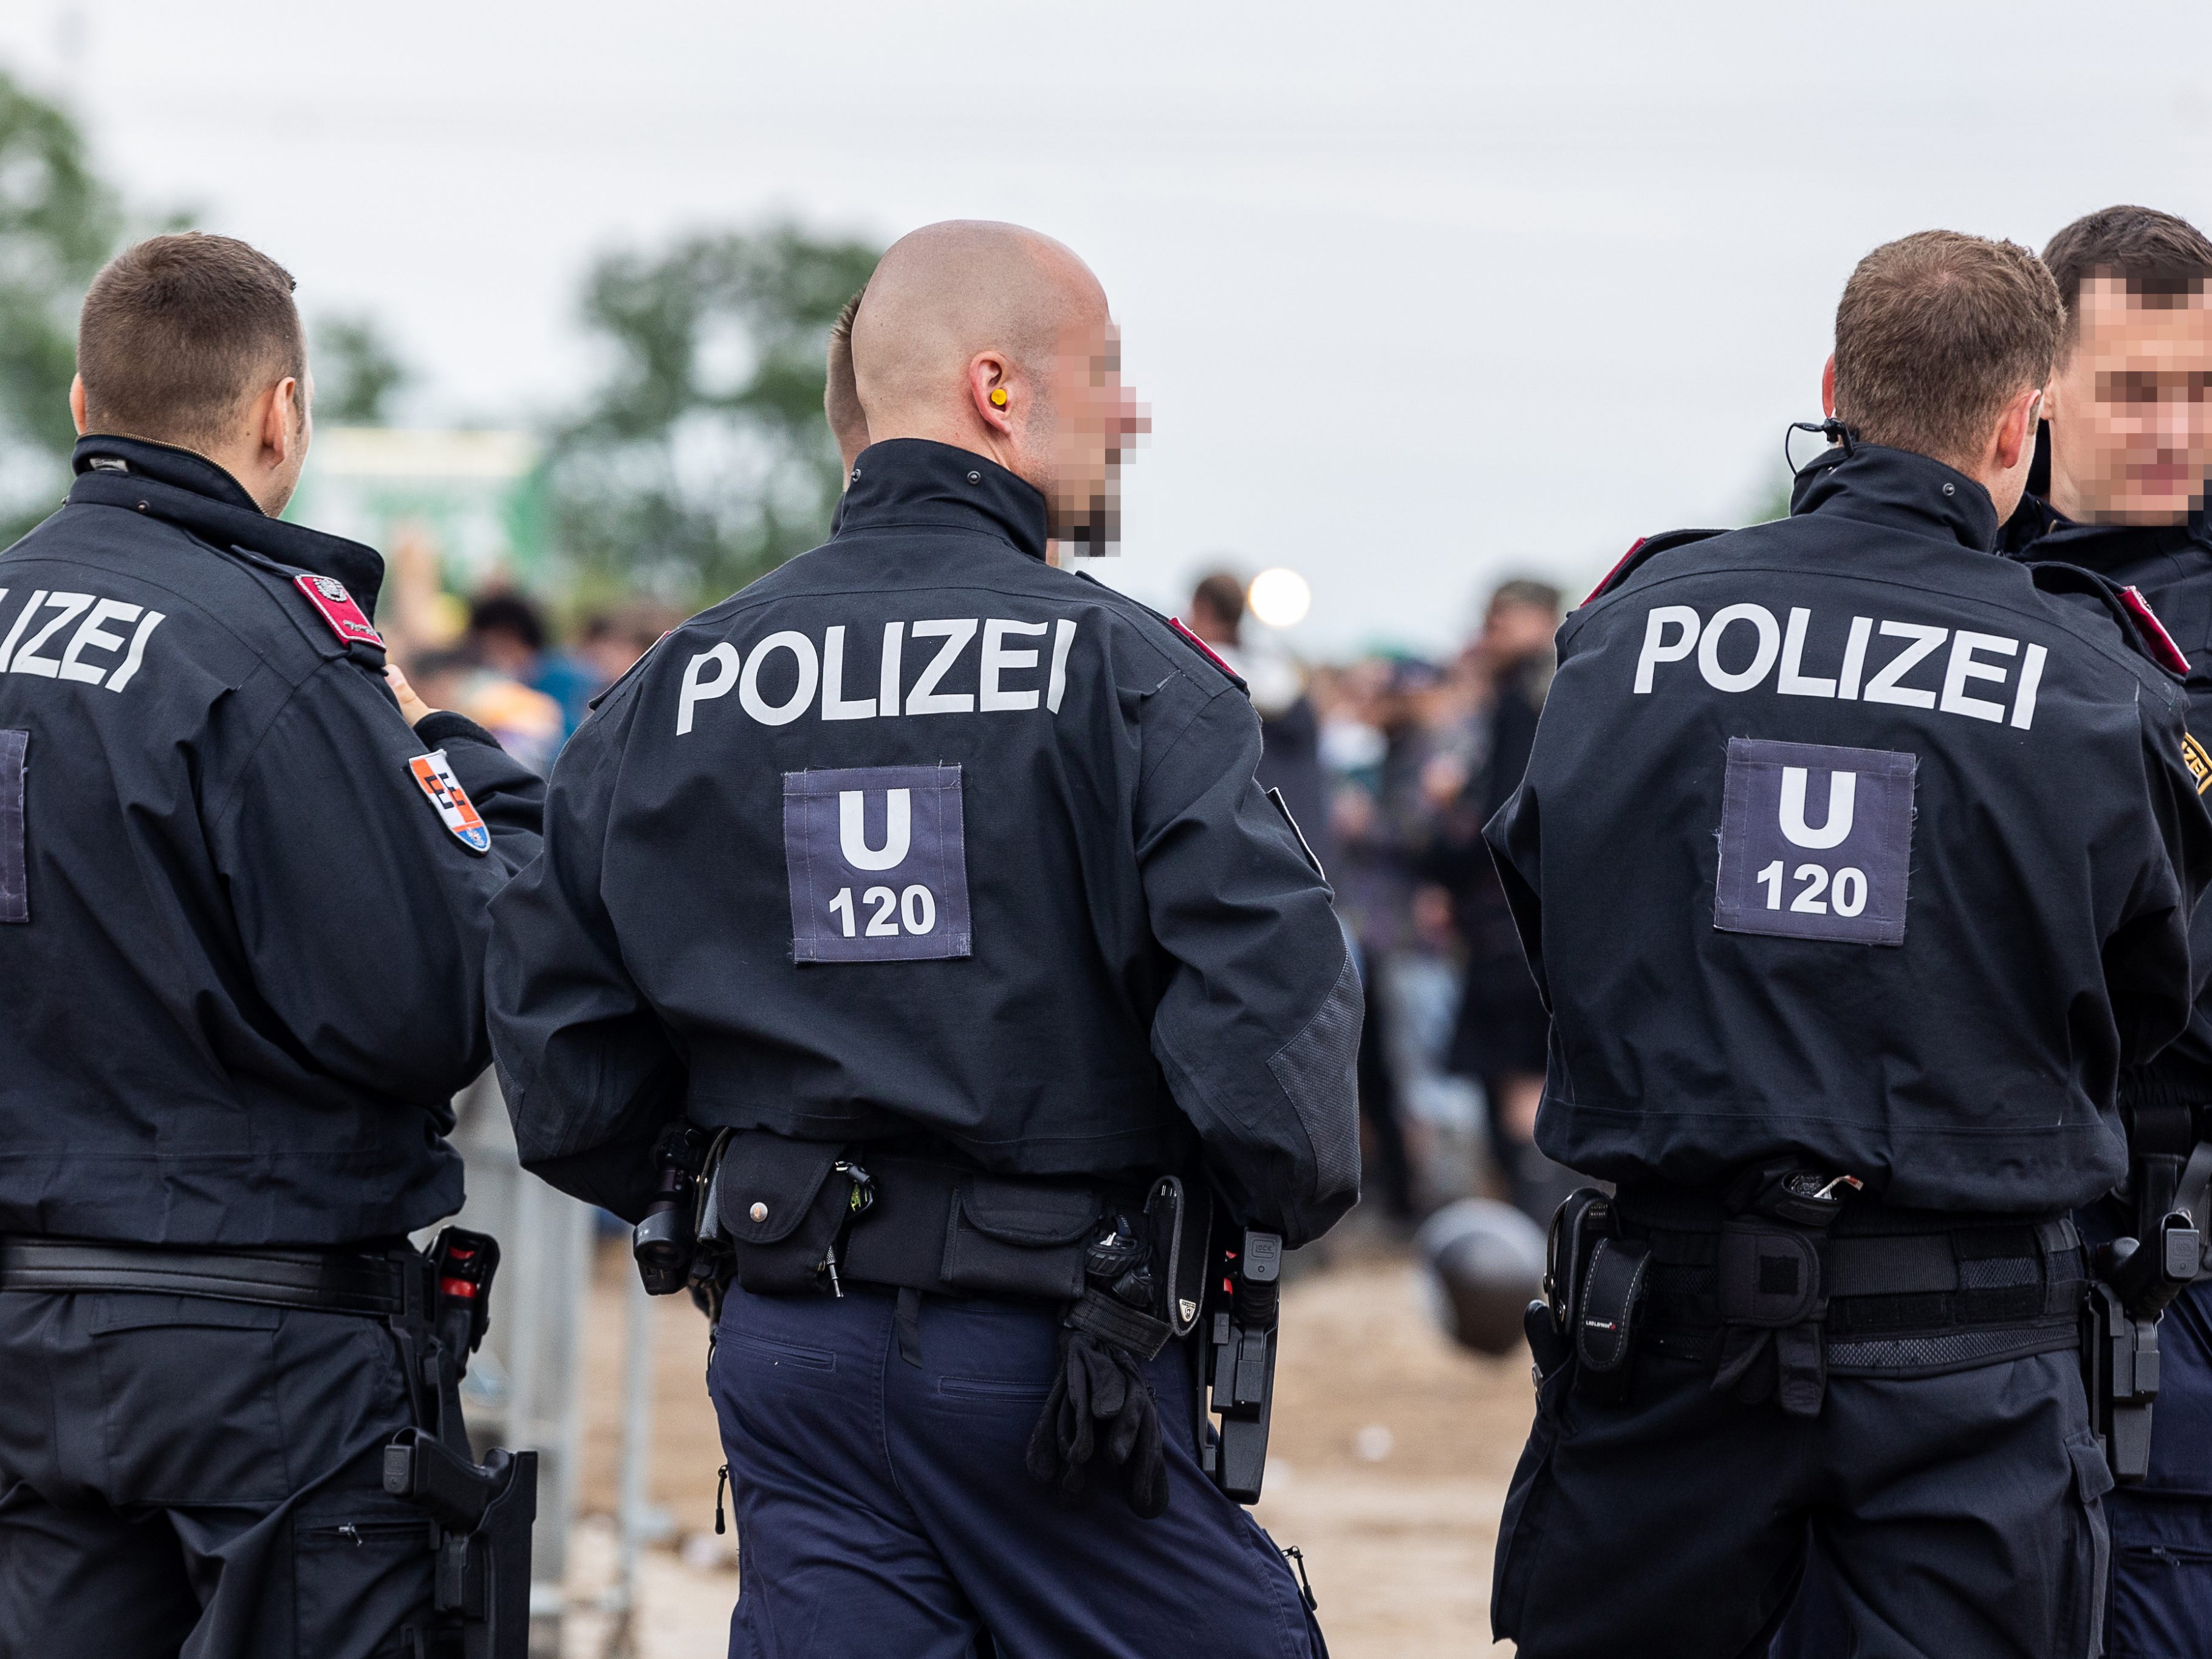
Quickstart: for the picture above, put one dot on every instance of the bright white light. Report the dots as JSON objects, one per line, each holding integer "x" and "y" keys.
{"x": 1280, "y": 598}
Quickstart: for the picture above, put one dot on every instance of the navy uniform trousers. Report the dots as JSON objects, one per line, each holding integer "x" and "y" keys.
{"x": 184, "y": 1476}
{"x": 1958, "y": 1517}
{"x": 2160, "y": 1606}
{"x": 883, "y": 1507}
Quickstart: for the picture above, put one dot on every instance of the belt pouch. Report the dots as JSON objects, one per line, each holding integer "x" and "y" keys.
{"x": 1018, "y": 1238}
{"x": 1605, "y": 1320}
{"x": 1773, "y": 1301}
{"x": 780, "y": 1210}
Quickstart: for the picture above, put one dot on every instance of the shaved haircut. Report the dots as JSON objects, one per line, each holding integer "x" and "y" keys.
{"x": 950, "y": 290}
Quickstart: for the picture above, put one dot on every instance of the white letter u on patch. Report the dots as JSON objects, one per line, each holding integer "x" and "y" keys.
{"x": 898, "y": 827}
{"x": 1843, "y": 796}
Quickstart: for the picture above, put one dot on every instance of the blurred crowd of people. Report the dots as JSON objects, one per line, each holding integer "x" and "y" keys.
{"x": 1391, "y": 765}
{"x": 502, "y": 657}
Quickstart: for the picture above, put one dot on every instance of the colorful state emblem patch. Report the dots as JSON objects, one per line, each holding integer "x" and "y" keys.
{"x": 455, "y": 809}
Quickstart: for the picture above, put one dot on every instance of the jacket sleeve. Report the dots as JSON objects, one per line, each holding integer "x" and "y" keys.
{"x": 588, "y": 1069}
{"x": 1258, "y": 1030}
{"x": 2152, "y": 971}
{"x": 1515, "y": 839}
{"x": 364, "y": 917}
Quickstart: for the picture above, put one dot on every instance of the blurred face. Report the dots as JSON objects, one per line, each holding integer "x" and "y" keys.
{"x": 1094, "y": 420}
{"x": 1514, "y": 632}
{"x": 2131, "y": 408}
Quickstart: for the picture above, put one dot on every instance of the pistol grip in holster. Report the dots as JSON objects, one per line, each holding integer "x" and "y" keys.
{"x": 2119, "y": 1368}
{"x": 1240, "y": 1369}
{"x": 481, "y": 1516}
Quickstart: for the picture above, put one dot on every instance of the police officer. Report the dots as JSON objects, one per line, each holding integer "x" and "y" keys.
{"x": 930, "y": 885}
{"x": 2128, "y": 431}
{"x": 1856, "y": 863}
{"x": 242, "y": 912}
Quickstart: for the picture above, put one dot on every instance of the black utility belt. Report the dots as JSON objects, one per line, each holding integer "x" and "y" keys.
{"x": 799, "y": 1216}
{"x": 326, "y": 1281}
{"x": 1905, "y": 1303}
{"x": 1778, "y": 1298}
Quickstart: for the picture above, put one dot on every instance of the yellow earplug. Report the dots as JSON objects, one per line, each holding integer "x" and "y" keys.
{"x": 998, "y": 396}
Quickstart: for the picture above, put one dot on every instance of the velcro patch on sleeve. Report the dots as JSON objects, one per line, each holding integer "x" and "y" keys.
{"x": 434, "y": 773}
{"x": 337, "y": 608}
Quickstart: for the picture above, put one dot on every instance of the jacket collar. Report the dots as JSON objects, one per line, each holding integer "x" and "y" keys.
{"x": 913, "y": 481}
{"x": 1896, "y": 488}
{"x": 194, "y": 494}
{"x": 2039, "y": 531}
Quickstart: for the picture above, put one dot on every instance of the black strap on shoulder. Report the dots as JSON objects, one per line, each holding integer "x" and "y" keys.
{"x": 1645, "y": 548}
{"x": 2138, "y": 623}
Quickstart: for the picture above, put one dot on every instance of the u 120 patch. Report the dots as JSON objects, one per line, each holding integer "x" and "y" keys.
{"x": 455, "y": 809}
{"x": 878, "y": 864}
{"x": 1816, "y": 841}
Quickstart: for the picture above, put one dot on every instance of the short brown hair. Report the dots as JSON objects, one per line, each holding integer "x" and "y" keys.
{"x": 1935, "y": 333}
{"x": 178, "y": 331}
{"x": 2159, "y": 258}
{"x": 841, "y": 392}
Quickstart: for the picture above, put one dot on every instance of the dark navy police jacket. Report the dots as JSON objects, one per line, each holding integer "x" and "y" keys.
{"x": 2170, "y": 565}
{"x": 1845, "y": 840}
{"x": 243, "y": 908}
{"x": 920, "y": 835}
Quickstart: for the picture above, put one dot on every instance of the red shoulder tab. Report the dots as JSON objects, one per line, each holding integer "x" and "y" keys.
{"x": 1177, "y": 623}
{"x": 339, "y": 611}
{"x": 1645, "y": 547}
{"x": 2163, "y": 651}
{"x": 1618, "y": 565}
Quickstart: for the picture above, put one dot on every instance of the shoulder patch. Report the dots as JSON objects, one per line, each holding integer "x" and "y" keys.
{"x": 2138, "y": 623}
{"x": 1644, "y": 547}
{"x": 1206, "y": 651}
{"x": 434, "y": 773}
{"x": 2163, "y": 649}
{"x": 2198, "y": 763}
{"x": 336, "y": 607}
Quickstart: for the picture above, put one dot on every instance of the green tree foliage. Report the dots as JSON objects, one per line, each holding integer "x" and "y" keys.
{"x": 703, "y": 459}
{"x": 356, "y": 371}
{"x": 57, "y": 223}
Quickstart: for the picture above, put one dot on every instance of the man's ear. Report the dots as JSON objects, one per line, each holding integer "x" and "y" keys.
{"x": 2017, "y": 431}
{"x": 76, "y": 403}
{"x": 991, "y": 385}
{"x": 281, "y": 426}
{"x": 1828, "y": 387}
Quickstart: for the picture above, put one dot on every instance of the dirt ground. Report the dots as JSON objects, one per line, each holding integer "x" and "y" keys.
{"x": 1390, "y": 1456}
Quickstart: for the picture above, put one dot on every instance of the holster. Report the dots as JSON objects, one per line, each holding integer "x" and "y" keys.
{"x": 480, "y": 1515}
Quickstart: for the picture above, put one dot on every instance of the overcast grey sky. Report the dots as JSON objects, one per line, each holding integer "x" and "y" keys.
{"x": 1421, "y": 294}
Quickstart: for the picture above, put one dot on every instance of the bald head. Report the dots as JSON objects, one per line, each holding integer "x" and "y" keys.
{"x": 951, "y": 291}
{"x": 998, "y": 340}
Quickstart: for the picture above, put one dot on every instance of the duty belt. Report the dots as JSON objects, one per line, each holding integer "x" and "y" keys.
{"x": 1890, "y": 1293}
{"x": 330, "y": 1281}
